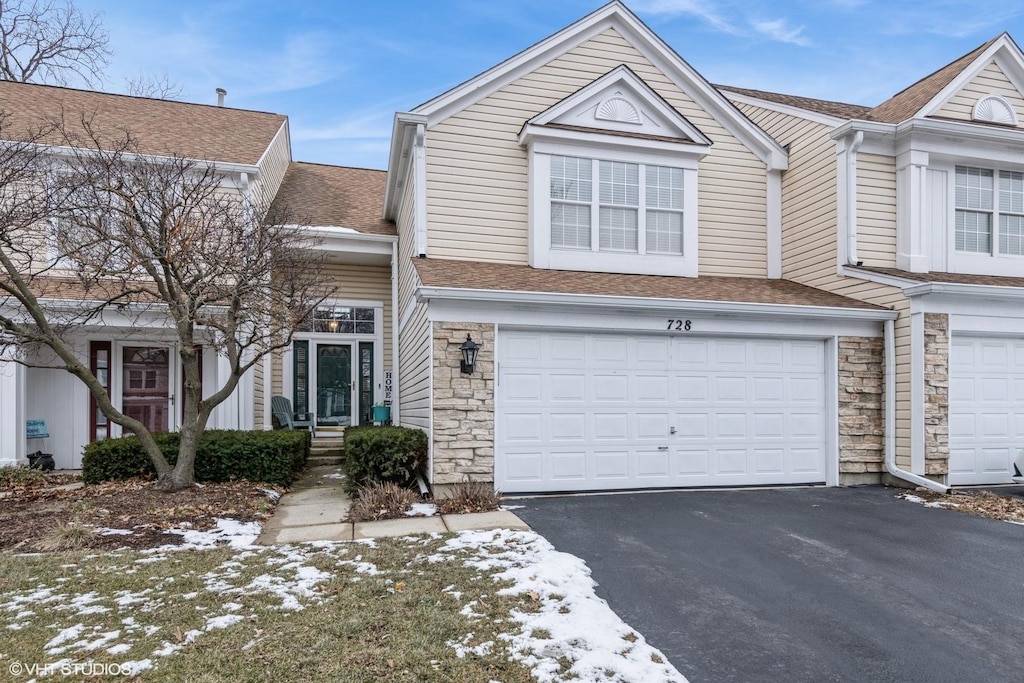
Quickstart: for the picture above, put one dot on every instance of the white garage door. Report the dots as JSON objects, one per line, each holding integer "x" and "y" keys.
{"x": 578, "y": 412}
{"x": 986, "y": 409}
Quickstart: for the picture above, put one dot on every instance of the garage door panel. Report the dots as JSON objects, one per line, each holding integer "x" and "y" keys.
{"x": 692, "y": 426}
{"x": 568, "y": 426}
{"x": 986, "y": 398}
{"x": 568, "y": 466}
{"x": 652, "y": 464}
{"x": 651, "y": 425}
{"x": 610, "y": 388}
{"x": 652, "y": 388}
{"x": 609, "y": 426}
{"x": 523, "y": 387}
{"x": 693, "y": 463}
{"x": 649, "y": 411}
{"x": 769, "y": 460}
{"x": 611, "y": 465}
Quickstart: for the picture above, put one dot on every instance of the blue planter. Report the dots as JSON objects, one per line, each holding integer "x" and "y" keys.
{"x": 382, "y": 414}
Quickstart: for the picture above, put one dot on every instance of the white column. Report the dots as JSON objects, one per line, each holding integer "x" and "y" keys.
{"x": 913, "y": 229}
{"x": 12, "y": 411}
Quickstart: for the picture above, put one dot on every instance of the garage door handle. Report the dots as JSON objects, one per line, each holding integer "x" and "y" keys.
{"x": 662, "y": 448}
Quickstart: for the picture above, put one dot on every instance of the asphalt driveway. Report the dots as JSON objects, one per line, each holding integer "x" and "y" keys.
{"x": 803, "y": 584}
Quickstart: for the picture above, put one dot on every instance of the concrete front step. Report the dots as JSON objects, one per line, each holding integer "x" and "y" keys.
{"x": 324, "y": 460}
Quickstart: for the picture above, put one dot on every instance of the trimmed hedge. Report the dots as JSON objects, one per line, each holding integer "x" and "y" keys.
{"x": 266, "y": 456}
{"x": 380, "y": 454}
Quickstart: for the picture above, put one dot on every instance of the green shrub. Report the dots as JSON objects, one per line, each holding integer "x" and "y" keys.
{"x": 266, "y": 456}
{"x": 379, "y": 454}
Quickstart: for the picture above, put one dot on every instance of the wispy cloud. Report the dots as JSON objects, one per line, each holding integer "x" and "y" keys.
{"x": 782, "y": 31}
{"x": 705, "y": 11}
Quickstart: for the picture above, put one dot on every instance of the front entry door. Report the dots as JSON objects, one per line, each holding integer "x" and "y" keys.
{"x": 145, "y": 386}
{"x": 333, "y": 385}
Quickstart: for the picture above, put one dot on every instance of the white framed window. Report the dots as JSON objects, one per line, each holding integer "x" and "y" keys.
{"x": 627, "y": 213}
{"x": 989, "y": 211}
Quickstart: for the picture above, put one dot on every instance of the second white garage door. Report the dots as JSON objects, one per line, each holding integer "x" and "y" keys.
{"x": 986, "y": 409}
{"x": 580, "y": 411}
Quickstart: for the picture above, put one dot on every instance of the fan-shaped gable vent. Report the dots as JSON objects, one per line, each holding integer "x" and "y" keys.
{"x": 994, "y": 109}
{"x": 617, "y": 109}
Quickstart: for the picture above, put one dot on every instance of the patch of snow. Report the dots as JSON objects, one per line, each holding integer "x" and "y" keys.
{"x": 270, "y": 493}
{"x": 421, "y": 510}
{"x": 119, "y": 649}
{"x": 104, "y": 531}
{"x": 69, "y": 633}
{"x": 231, "y": 606}
{"x": 333, "y": 475}
{"x": 511, "y": 507}
{"x": 131, "y": 669}
{"x": 578, "y": 627}
{"x": 921, "y": 501}
{"x": 223, "y": 621}
{"x": 230, "y": 531}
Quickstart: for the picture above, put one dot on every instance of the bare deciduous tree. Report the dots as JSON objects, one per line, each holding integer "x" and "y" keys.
{"x": 160, "y": 87}
{"x": 51, "y": 41}
{"x": 139, "y": 238}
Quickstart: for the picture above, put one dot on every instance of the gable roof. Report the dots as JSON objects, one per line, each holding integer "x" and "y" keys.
{"x": 443, "y": 273}
{"x": 162, "y": 127}
{"x": 617, "y": 16}
{"x": 840, "y": 110}
{"x": 909, "y": 101}
{"x": 334, "y": 196}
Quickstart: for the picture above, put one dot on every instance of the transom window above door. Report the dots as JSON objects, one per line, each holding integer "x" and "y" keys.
{"x": 341, "y": 320}
{"x": 632, "y": 208}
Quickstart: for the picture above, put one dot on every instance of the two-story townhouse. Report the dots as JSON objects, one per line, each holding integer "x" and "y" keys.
{"x": 608, "y": 227}
{"x": 917, "y": 204}
{"x": 135, "y": 356}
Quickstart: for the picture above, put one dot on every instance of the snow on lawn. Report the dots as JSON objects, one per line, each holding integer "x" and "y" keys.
{"x": 572, "y": 624}
{"x": 421, "y": 510}
{"x": 928, "y": 504}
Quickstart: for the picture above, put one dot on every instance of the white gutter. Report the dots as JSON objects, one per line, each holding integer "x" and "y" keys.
{"x": 851, "y": 197}
{"x": 651, "y": 303}
{"x": 394, "y": 333}
{"x": 890, "y": 417}
{"x": 963, "y": 289}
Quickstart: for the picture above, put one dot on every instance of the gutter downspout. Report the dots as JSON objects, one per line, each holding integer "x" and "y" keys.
{"x": 890, "y": 417}
{"x": 851, "y": 198}
{"x": 395, "y": 417}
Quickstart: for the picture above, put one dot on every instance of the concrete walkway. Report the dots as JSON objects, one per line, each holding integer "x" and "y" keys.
{"x": 315, "y": 508}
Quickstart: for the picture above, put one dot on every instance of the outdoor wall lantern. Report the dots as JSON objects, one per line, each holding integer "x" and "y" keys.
{"x": 469, "y": 350}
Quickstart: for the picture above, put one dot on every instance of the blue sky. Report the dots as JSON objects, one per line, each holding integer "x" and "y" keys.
{"x": 341, "y": 69}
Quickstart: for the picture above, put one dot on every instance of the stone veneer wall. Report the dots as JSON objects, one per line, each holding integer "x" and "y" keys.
{"x": 861, "y": 409}
{"x": 936, "y": 393}
{"x": 463, "y": 418}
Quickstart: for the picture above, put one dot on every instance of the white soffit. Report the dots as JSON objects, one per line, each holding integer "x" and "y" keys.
{"x": 615, "y": 16}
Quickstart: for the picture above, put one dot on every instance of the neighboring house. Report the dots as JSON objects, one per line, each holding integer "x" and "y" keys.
{"x": 672, "y": 283}
{"x": 136, "y": 358}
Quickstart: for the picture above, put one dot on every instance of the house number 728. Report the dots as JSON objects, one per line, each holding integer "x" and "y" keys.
{"x": 679, "y": 325}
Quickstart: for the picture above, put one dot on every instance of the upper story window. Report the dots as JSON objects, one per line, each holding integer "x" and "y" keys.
{"x": 632, "y": 208}
{"x": 989, "y": 216}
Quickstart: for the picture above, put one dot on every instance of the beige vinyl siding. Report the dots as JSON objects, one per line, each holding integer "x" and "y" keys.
{"x": 477, "y": 172}
{"x": 990, "y": 81}
{"x": 277, "y": 374}
{"x": 364, "y": 283}
{"x": 406, "y": 226}
{"x": 274, "y": 163}
{"x": 414, "y": 349}
{"x": 876, "y": 210}
{"x": 809, "y": 232}
{"x": 808, "y": 193}
{"x": 414, "y": 343}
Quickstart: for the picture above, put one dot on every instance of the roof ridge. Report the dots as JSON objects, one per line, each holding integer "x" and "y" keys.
{"x": 353, "y": 168}
{"x": 137, "y": 97}
{"x": 737, "y": 89}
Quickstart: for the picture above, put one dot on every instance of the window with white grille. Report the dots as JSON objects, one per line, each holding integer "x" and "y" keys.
{"x": 982, "y": 203}
{"x": 632, "y": 208}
